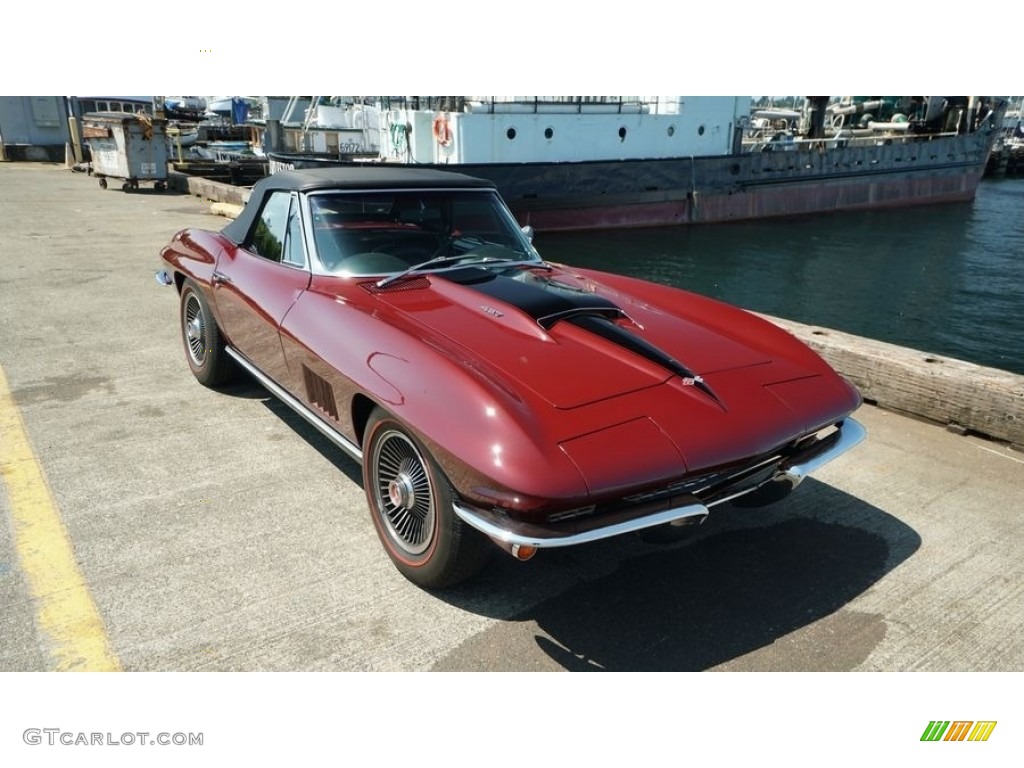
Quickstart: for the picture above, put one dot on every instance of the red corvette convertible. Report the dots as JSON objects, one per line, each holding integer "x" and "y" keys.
{"x": 493, "y": 397}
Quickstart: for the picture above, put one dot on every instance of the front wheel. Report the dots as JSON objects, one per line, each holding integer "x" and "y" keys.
{"x": 204, "y": 345}
{"x": 411, "y": 506}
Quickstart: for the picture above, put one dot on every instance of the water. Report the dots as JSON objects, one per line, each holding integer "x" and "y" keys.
{"x": 945, "y": 279}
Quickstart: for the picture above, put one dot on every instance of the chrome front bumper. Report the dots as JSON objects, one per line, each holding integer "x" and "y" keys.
{"x": 850, "y": 434}
{"x": 679, "y": 510}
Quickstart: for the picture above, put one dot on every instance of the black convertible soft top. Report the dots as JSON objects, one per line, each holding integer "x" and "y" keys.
{"x": 353, "y": 177}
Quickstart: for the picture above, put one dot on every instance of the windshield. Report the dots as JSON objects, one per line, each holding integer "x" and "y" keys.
{"x": 387, "y": 232}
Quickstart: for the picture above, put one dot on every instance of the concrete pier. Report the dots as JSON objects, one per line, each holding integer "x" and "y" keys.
{"x": 216, "y": 531}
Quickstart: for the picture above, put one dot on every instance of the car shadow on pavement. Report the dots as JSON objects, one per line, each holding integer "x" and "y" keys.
{"x": 746, "y": 581}
{"x": 332, "y": 453}
{"x": 761, "y": 588}
{"x": 244, "y": 387}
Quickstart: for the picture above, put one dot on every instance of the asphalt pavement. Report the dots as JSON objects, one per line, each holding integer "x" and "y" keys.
{"x": 153, "y": 524}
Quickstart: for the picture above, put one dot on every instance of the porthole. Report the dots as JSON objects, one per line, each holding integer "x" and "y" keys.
{"x": 671, "y": 131}
{"x": 622, "y": 133}
{"x": 700, "y": 131}
{"x": 510, "y": 133}
{"x": 549, "y": 132}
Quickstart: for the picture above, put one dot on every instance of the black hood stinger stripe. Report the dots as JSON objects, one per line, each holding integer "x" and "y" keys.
{"x": 544, "y": 300}
{"x": 549, "y": 302}
{"x": 606, "y": 329}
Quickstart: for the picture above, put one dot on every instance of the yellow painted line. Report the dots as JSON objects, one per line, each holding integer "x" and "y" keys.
{"x": 65, "y": 611}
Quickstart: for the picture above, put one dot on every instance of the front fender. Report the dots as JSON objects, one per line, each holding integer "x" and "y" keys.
{"x": 492, "y": 441}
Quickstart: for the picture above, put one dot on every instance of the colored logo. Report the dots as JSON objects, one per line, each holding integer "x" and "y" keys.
{"x": 958, "y": 730}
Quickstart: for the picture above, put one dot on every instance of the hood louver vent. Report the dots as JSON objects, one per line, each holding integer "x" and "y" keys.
{"x": 407, "y": 284}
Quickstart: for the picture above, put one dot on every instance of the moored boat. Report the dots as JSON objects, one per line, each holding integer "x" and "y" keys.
{"x": 567, "y": 163}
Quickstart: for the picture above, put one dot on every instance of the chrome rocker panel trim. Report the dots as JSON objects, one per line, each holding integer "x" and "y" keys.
{"x": 515, "y": 532}
{"x": 314, "y": 420}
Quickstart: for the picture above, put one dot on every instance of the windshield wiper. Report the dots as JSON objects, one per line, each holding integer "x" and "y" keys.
{"x": 436, "y": 262}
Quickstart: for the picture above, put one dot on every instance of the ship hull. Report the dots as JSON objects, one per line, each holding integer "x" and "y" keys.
{"x": 696, "y": 190}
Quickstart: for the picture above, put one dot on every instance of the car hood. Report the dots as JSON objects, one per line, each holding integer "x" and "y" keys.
{"x": 571, "y": 340}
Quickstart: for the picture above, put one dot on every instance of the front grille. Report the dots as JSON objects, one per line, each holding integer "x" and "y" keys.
{"x": 711, "y": 485}
{"x": 572, "y": 514}
{"x": 691, "y": 485}
{"x": 741, "y": 482}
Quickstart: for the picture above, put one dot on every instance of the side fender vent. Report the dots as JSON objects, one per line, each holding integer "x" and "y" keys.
{"x": 320, "y": 393}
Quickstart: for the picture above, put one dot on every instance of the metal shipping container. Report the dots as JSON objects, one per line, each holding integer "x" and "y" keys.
{"x": 33, "y": 128}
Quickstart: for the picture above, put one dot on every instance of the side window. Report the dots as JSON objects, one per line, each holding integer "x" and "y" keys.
{"x": 268, "y": 237}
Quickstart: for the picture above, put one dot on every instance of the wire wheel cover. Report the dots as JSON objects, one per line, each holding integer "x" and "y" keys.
{"x": 194, "y": 322}
{"x": 404, "y": 492}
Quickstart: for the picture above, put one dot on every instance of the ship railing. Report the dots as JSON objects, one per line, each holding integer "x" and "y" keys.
{"x": 843, "y": 138}
{"x": 563, "y": 104}
{"x": 538, "y": 104}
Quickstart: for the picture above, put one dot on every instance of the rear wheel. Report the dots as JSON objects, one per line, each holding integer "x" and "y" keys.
{"x": 411, "y": 506}
{"x": 204, "y": 346}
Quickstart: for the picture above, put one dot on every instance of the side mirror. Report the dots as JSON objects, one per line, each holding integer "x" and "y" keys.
{"x": 528, "y": 231}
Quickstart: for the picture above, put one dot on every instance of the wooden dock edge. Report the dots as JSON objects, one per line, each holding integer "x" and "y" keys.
{"x": 215, "y": 191}
{"x": 963, "y": 396}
